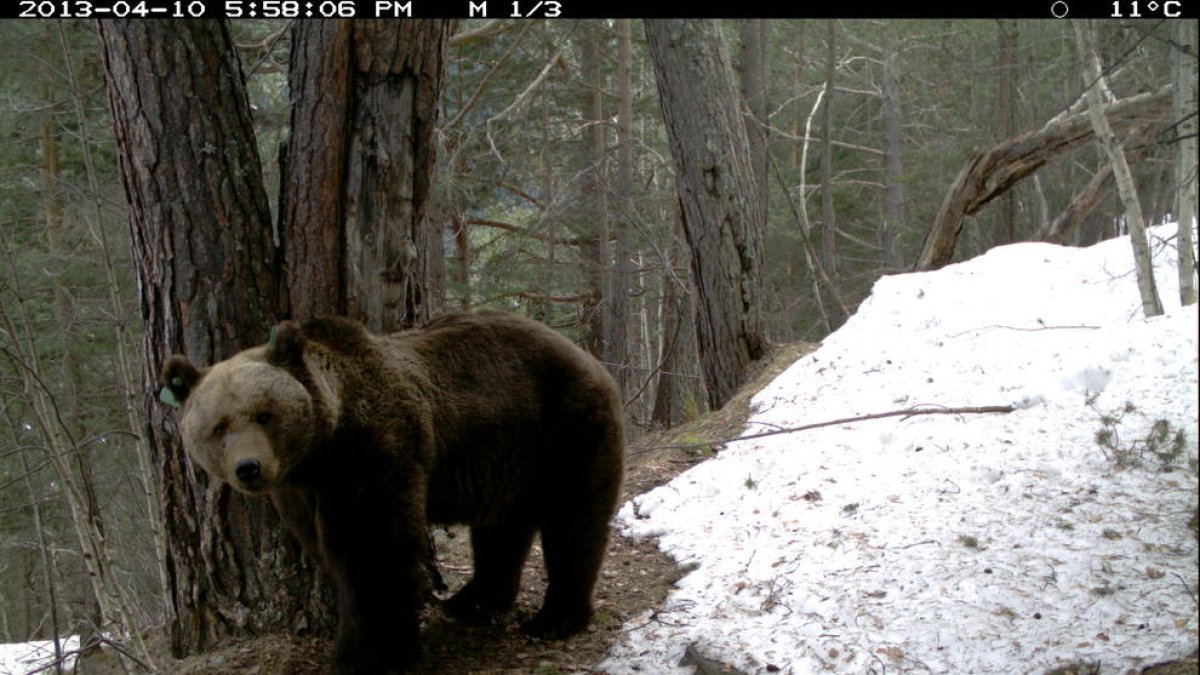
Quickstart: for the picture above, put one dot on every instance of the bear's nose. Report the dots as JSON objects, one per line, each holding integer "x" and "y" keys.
{"x": 248, "y": 470}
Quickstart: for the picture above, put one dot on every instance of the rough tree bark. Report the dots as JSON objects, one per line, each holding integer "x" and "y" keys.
{"x": 715, "y": 183}
{"x": 210, "y": 284}
{"x": 395, "y": 258}
{"x": 313, "y": 167}
{"x": 355, "y": 209}
{"x": 989, "y": 173}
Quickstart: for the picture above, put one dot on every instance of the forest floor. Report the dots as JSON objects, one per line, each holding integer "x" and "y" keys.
{"x": 636, "y": 577}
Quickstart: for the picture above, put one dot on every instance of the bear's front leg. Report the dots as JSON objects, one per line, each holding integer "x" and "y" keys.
{"x": 375, "y": 559}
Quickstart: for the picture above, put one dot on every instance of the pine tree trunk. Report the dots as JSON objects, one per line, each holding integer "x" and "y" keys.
{"x": 618, "y": 321}
{"x": 395, "y": 260}
{"x": 715, "y": 182}
{"x": 594, "y": 216}
{"x": 210, "y": 283}
{"x": 754, "y": 81}
{"x": 313, "y": 168}
{"x": 355, "y": 213}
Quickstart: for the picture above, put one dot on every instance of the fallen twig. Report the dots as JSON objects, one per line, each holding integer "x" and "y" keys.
{"x": 909, "y": 412}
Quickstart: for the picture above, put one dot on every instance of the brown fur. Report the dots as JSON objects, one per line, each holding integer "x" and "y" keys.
{"x": 487, "y": 419}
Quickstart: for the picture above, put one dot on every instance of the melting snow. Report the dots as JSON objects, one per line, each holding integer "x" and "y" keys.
{"x": 19, "y": 658}
{"x": 979, "y": 543}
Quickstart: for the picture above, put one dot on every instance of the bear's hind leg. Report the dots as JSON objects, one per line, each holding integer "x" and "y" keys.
{"x": 499, "y": 553}
{"x": 573, "y": 554}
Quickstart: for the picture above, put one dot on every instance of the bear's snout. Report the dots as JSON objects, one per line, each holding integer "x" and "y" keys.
{"x": 251, "y": 465}
{"x": 249, "y": 471}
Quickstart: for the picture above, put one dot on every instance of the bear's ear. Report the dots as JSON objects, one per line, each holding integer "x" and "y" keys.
{"x": 178, "y": 379}
{"x": 286, "y": 345}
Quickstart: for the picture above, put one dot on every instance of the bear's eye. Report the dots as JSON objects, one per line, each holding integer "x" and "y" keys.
{"x": 219, "y": 430}
{"x": 263, "y": 418}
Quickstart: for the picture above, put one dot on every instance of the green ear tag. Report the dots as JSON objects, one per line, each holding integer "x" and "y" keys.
{"x": 271, "y": 336}
{"x": 167, "y": 396}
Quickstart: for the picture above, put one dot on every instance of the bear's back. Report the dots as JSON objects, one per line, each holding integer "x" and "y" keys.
{"x": 514, "y": 399}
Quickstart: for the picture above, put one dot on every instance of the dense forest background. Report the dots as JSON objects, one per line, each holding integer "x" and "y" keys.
{"x": 554, "y": 195}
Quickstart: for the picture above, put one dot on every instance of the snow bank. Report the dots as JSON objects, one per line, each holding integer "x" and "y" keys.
{"x": 19, "y": 658}
{"x": 951, "y": 543}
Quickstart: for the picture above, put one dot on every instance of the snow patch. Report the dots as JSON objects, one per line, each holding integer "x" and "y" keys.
{"x": 37, "y": 656}
{"x": 970, "y": 543}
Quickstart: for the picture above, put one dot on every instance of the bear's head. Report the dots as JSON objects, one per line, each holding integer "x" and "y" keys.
{"x": 247, "y": 420}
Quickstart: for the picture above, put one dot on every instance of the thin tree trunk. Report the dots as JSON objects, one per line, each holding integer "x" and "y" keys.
{"x": 462, "y": 259}
{"x": 60, "y": 447}
{"x": 595, "y": 208}
{"x": 1184, "y": 53}
{"x": 618, "y": 322}
{"x": 546, "y": 271}
{"x": 1094, "y": 81}
{"x": 1007, "y": 118}
{"x": 893, "y": 205}
{"x": 56, "y": 237}
{"x": 678, "y": 394}
{"x": 47, "y": 555}
{"x": 755, "y": 88}
{"x": 829, "y": 256}
{"x": 715, "y": 182}
{"x": 812, "y": 257}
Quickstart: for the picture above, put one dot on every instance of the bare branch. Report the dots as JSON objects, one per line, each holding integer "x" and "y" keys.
{"x": 906, "y": 413}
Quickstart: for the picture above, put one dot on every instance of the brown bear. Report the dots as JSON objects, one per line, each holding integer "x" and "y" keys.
{"x": 487, "y": 419}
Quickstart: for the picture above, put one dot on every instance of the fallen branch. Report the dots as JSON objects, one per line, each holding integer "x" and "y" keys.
{"x": 992, "y": 172}
{"x": 910, "y": 412}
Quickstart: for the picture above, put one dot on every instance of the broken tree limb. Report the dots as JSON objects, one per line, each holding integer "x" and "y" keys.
{"x": 990, "y": 173}
{"x": 907, "y": 412}
{"x": 1086, "y": 200}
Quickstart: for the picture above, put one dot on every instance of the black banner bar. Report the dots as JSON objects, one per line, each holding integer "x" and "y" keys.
{"x": 599, "y": 9}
